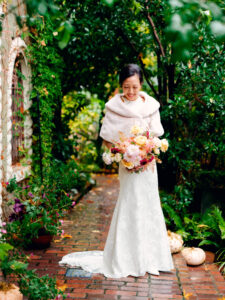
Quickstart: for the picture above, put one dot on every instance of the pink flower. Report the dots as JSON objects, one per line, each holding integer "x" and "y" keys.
{"x": 143, "y": 161}
{"x": 73, "y": 203}
{"x": 115, "y": 150}
{"x": 3, "y": 223}
{"x": 7, "y": 183}
{"x": 132, "y": 152}
{"x": 57, "y": 214}
{"x": 3, "y": 231}
{"x": 61, "y": 221}
{"x": 151, "y": 159}
{"x": 67, "y": 194}
{"x": 62, "y": 232}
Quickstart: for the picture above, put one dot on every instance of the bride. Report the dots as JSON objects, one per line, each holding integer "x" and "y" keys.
{"x": 137, "y": 240}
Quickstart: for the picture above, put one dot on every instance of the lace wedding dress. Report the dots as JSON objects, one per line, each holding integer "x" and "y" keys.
{"x": 137, "y": 240}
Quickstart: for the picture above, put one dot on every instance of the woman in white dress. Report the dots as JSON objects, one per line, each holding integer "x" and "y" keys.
{"x": 137, "y": 240}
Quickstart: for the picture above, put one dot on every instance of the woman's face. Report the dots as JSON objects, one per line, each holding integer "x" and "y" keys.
{"x": 131, "y": 87}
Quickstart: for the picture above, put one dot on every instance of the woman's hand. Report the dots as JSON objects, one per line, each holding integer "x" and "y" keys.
{"x": 107, "y": 144}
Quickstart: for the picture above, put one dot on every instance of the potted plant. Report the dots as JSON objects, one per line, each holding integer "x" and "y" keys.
{"x": 36, "y": 216}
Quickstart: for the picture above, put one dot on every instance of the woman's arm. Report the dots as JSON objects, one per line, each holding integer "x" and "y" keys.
{"x": 155, "y": 124}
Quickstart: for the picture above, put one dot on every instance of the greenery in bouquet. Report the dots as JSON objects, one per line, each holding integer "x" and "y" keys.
{"x": 37, "y": 209}
{"x": 137, "y": 151}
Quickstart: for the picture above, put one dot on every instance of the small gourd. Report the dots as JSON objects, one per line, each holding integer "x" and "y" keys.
{"x": 193, "y": 256}
{"x": 175, "y": 241}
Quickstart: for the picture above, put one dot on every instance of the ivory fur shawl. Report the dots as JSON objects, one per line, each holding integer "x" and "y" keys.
{"x": 121, "y": 115}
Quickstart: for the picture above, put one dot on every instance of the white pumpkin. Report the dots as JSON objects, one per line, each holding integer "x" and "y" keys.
{"x": 175, "y": 241}
{"x": 193, "y": 256}
{"x": 12, "y": 294}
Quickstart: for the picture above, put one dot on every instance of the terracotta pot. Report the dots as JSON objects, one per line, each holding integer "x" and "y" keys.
{"x": 42, "y": 241}
{"x": 12, "y": 294}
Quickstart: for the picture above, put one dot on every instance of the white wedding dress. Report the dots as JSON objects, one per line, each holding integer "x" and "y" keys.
{"x": 137, "y": 240}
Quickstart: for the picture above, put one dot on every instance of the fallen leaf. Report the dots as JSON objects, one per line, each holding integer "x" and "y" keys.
{"x": 68, "y": 236}
{"x": 62, "y": 287}
{"x": 187, "y": 295}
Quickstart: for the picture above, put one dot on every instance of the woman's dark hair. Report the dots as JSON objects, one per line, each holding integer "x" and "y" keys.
{"x": 128, "y": 71}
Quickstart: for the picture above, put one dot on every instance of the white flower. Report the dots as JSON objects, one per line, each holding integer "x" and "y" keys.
{"x": 164, "y": 145}
{"x": 136, "y": 130}
{"x": 157, "y": 142}
{"x": 107, "y": 158}
{"x": 117, "y": 157}
{"x": 140, "y": 140}
{"x": 156, "y": 150}
{"x": 91, "y": 127}
{"x": 207, "y": 12}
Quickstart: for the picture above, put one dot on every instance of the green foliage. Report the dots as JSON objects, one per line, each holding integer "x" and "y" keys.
{"x": 47, "y": 67}
{"x": 36, "y": 288}
{"x": 195, "y": 118}
{"x": 10, "y": 260}
{"x": 184, "y": 21}
{"x": 32, "y": 286}
{"x": 221, "y": 259}
{"x": 84, "y": 128}
{"x": 4, "y": 249}
{"x": 205, "y": 230}
{"x": 69, "y": 178}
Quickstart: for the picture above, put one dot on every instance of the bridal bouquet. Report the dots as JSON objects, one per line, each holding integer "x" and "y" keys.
{"x": 136, "y": 152}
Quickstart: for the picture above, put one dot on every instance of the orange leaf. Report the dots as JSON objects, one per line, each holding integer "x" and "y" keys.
{"x": 62, "y": 287}
{"x": 68, "y": 236}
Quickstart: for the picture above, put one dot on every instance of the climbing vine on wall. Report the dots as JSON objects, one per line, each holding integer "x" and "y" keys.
{"x": 47, "y": 67}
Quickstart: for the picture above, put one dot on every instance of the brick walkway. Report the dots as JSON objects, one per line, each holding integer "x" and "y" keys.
{"x": 88, "y": 223}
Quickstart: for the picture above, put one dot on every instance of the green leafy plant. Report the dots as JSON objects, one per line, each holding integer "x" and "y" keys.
{"x": 84, "y": 130}
{"x": 13, "y": 262}
{"x": 207, "y": 230}
{"x": 9, "y": 261}
{"x": 35, "y": 287}
{"x": 220, "y": 256}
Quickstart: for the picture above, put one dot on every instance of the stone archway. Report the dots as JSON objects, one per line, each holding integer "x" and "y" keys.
{"x": 9, "y": 170}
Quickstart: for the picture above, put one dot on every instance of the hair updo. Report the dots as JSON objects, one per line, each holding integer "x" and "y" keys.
{"x": 130, "y": 70}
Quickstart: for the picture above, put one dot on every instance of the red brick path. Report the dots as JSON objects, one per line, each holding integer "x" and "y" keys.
{"x": 88, "y": 223}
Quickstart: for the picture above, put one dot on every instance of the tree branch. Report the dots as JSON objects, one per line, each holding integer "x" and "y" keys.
{"x": 199, "y": 100}
{"x": 147, "y": 14}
